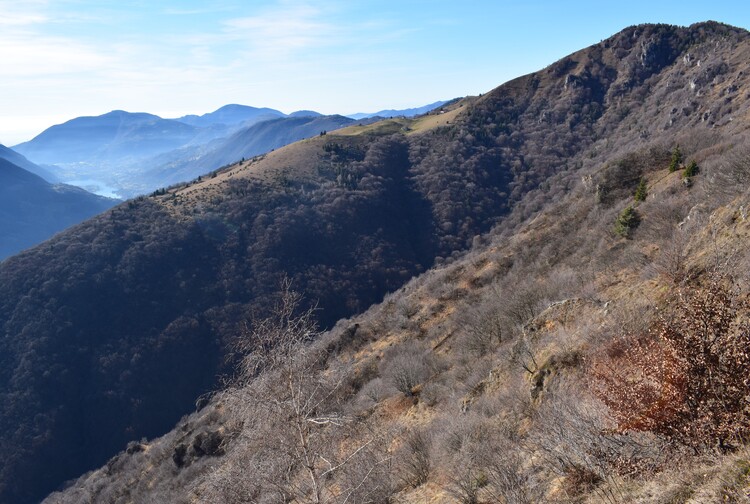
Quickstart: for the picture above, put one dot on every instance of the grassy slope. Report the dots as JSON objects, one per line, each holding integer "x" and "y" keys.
{"x": 440, "y": 117}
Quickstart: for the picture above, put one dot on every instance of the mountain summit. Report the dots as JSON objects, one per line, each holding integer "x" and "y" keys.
{"x": 114, "y": 135}
{"x": 232, "y": 115}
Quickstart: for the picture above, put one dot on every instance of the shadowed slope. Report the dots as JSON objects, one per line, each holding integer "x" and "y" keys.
{"x": 32, "y": 210}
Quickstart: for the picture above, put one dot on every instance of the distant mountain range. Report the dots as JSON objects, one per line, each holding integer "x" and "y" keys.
{"x": 396, "y": 113}
{"x": 259, "y": 138}
{"x": 128, "y": 154}
{"x": 32, "y": 209}
{"x": 115, "y": 135}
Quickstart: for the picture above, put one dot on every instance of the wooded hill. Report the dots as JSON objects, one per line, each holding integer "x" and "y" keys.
{"x": 32, "y": 209}
{"x": 132, "y": 314}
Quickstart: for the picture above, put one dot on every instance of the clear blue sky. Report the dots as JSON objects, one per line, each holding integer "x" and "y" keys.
{"x": 65, "y": 58}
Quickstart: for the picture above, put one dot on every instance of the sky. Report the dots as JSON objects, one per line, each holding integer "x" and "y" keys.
{"x": 61, "y": 59}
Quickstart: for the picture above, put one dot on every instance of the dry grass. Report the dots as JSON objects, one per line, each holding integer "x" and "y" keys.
{"x": 441, "y": 117}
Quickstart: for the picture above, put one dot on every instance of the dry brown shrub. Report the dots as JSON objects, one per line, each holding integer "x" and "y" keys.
{"x": 406, "y": 366}
{"x": 688, "y": 376}
{"x": 638, "y": 378}
{"x": 414, "y": 458}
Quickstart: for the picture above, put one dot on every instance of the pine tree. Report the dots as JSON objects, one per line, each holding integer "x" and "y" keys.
{"x": 676, "y": 159}
{"x": 641, "y": 191}
{"x": 691, "y": 170}
{"x": 626, "y": 222}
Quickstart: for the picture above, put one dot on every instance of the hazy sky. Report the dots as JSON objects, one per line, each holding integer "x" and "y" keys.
{"x": 65, "y": 58}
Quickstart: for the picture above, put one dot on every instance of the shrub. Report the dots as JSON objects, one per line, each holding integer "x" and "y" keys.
{"x": 405, "y": 367}
{"x": 687, "y": 378}
{"x": 374, "y": 391}
{"x": 572, "y": 435}
{"x": 484, "y": 328}
{"x": 690, "y": 170}
{"x": 416, "y": 462}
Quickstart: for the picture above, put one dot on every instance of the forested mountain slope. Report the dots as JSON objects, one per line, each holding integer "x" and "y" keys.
{"x": 172, "y": 279}
{"x": 562, "y": 359}
{"x": 32, "y": 209}
{"x": 20, "y": 161}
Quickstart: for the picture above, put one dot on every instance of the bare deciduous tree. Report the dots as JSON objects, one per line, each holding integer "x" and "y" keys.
{"x": 294, "y": 434}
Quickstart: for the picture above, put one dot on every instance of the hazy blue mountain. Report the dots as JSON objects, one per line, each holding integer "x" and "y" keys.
{"x": 404, "y": 112}
{"x": 128, "y": 154}
{"x": 106, "y": 154}
{"x": 231, "y": 115}
{"x": 305, "y": 113}
{"x": 32, "y": 209}
{"x": 268, "y": 135}
{"x": 18, "y": 160}
{"x": 117, "y": 135}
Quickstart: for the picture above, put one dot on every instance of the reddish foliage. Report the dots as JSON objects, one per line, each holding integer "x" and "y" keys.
{"x": 688, "y": 377}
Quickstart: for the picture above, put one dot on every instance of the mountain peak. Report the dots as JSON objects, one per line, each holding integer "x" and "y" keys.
{"x": 305, "y": 113}
{"x": 124, "y": 114}
{"x": 231, "y": 114}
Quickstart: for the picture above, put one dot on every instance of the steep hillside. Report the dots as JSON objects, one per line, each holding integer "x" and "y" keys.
{"x": 563, "y": 359}
{"x": 32, "y": 210}
{"x": 17, "y": 159}
{"x": 496, "y": 378}
{"x": 132, "y": 312}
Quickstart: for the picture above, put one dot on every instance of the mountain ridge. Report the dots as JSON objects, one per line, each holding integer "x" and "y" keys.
{"x": 230, "y": 115}
{"x": 19, "y": 160}
{"x": 409, "y": 112}
{"x": 245, "y": 143}
{"x": 136, "y": 153}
